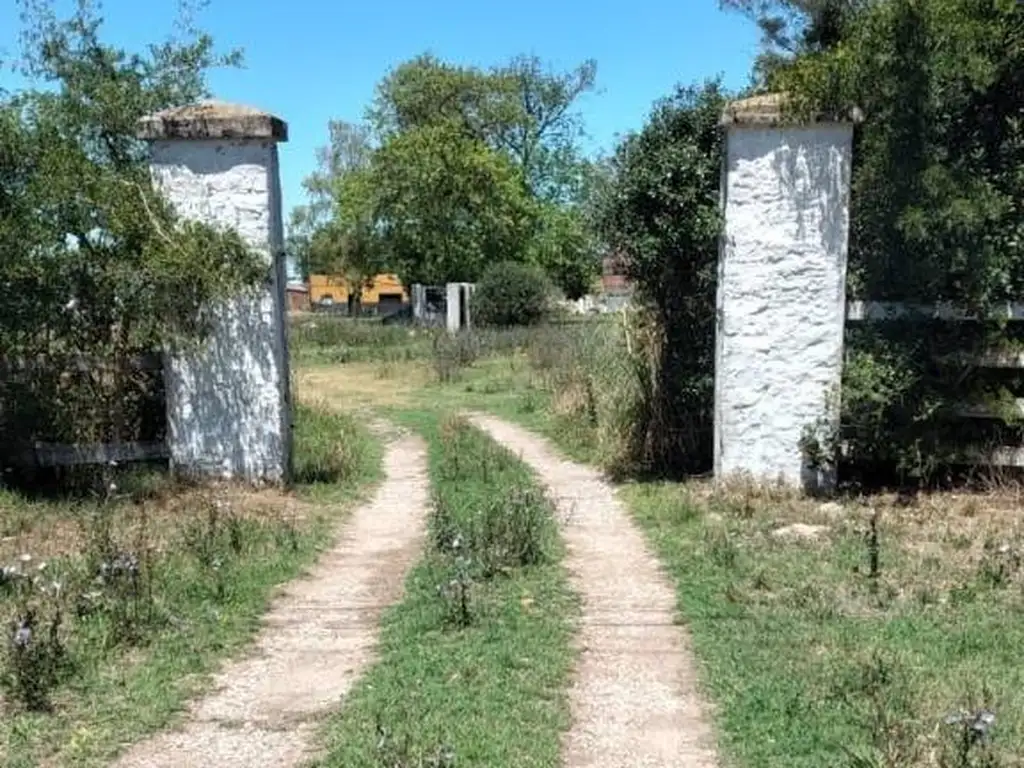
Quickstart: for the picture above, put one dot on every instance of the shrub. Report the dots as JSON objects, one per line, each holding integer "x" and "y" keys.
{"x": 452, "y": 353}
{"x": 663, "y": 216}
{"x": 510, "y": 293}
{"x": 511, "y": 531}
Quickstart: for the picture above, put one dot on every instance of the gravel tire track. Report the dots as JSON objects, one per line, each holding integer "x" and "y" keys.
{"x": 634, "y": 697}
{"x": 318, "y": 636}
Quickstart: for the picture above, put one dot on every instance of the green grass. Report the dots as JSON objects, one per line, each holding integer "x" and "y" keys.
{"x": 809, "y": 663}
{"x": 806, "y": 659}
{"x": 487, "y": 685}
{"x": 331, "y": 339}
{"x": 208, "y": 562}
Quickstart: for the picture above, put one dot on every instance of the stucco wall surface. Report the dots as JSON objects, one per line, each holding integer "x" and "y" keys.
{"x": 781, "y": 295}
{"x": 228, "y": 403}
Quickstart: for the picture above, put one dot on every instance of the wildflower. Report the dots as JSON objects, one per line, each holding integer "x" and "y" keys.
{"x": 22, "y": 634}
{"x": 977, "y": 723}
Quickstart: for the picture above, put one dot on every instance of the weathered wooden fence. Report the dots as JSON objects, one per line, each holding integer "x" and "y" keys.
{"x": 993, "y": 364}
{"x": 39, "y": 416}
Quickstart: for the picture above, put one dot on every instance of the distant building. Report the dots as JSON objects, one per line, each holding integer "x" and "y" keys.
{"x": 298, "y": 297}
{"x": 613, "y": 275}
{"x": 383, "y": 295}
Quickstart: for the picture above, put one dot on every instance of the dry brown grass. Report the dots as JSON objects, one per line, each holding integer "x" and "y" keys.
{"x": 363, "y": 385}
{"x": 931, "y": 544}
{"x": 47, "y": 530}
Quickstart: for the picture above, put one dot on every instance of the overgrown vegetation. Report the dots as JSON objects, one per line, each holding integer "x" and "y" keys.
{"x": 662, "y": 215}
{"x": 474, "y": 662}
{"x": 576, "y": 377}
{"x": 509, "y": 294}
{"x": 95, "y": 268}
{"x": 114, "y": 608}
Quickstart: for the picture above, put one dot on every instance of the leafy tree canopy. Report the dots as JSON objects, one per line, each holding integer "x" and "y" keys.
{"x": 791, "y": 27}
{"x": 937, "y": 165}
{"x": 90, "y": 251}
{"x": 465, "y": 166}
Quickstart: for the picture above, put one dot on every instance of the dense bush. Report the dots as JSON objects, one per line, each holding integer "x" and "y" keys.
{"x": 663, "y": 217}
{"x": 510, "y": 293}
{"x": 93, "y": 262}
{"x": 936, "y": 215}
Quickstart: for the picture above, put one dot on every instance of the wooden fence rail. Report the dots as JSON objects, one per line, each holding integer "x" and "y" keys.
{"x": 50, "y": 454}
{"x": 882, "y": 311}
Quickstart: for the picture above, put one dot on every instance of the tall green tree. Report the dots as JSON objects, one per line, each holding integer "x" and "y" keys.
{"x": 447, "y": 205}
{"x": 661, "y": 213}
{"x": 794, "y": 27}
{"x": 541, "y": 129}
{"x": 937, "y": 179}
{"x": 469, "y": 165}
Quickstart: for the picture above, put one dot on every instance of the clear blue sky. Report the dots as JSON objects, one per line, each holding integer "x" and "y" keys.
{"x": 312, "y": 60}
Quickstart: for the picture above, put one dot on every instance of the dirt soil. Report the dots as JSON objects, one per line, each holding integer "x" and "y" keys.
{"x": 318, "y": 636}
{"x": 634, "y": 697}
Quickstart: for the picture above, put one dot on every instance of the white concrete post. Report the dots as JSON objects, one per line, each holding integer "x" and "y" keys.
{"x": 228, "y": 404}
{"x": 781, "y": 290}
{"x": 457, "y": 305}
{"x": 418, "y": 297}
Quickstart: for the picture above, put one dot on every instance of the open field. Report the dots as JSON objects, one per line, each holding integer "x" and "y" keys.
{"x": 133, "y": 596}
{"x": 827, "y": 633}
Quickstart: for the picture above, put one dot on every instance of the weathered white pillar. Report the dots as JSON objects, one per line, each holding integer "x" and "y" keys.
{"x": 457, "y": 305}
{"x": 418, "y": 298}
{"x": 781, "y": 290}
{"x": 228, "y": 403}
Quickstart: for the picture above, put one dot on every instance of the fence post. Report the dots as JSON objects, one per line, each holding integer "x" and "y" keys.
{"x": 228, "y": 403}
{"x": 781, "y": 290}
{"x": 458, "y": 295}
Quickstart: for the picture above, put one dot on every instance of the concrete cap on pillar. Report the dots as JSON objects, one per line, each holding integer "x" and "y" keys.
{"x": 211, "y": 120}
{"x": 770, "y": 109}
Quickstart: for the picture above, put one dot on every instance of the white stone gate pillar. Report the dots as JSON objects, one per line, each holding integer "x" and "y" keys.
{"x": 228, "y": 404}
{"x": 781, "y": 289}
{"x": 458, "y": 298}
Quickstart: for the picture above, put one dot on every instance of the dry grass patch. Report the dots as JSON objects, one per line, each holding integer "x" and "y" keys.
{"x": 365, "y": 384}
{"x": 51, "y": 529}
{"x": 851, "y": 645}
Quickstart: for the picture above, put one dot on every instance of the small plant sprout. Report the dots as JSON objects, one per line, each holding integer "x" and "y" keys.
{"x": 456, "y": 592}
